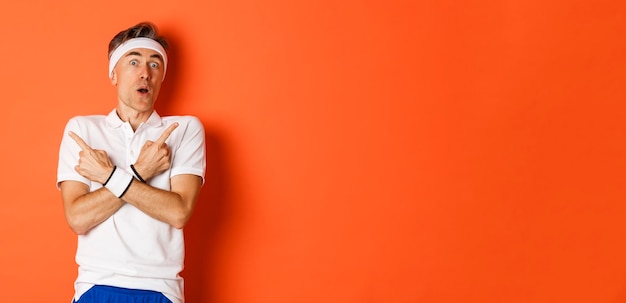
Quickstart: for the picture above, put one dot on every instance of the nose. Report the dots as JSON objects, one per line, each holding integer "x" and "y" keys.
{"x": 145, "y": 73}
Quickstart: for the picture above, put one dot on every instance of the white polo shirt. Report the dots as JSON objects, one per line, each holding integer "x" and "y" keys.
{"x": 131, "y": 249}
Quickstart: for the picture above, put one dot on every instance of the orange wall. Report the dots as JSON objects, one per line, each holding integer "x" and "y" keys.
{"x": 358, "y": 151}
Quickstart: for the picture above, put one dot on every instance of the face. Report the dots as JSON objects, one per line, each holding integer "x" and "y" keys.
{"x": 138, "y": 76}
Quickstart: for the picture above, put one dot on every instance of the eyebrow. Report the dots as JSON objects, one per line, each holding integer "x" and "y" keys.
{"x": 138, "y": 54}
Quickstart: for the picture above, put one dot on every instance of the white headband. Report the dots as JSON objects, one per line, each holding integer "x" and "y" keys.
{"x": 136, "y": 43}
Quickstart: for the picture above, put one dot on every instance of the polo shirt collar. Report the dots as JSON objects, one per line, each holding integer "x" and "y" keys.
{"x": 113, "y": 120}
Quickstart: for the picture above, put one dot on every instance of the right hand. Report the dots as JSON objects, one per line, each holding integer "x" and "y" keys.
{"x": 154, "y": 157}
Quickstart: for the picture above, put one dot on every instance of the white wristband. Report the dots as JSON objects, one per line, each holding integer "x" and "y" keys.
{"x": 119, "y": 182}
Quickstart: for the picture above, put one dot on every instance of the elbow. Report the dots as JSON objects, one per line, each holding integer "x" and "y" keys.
{"x": 180, "y": 221}
{"x": 180, "y": 216}
{"x": 77, "y": 228}
{"x": 79, "y": 232}
{"x": 179, "y": 225}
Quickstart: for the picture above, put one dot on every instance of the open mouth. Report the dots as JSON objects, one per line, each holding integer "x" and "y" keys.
{"x": 143, "y": 90}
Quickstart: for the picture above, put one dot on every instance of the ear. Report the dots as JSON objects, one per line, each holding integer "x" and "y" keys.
{"x": 114, "y": 78}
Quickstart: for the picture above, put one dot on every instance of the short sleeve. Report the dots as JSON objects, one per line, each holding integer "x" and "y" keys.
{"x": 190, "y": 155}
{"x": 68, "y": 155}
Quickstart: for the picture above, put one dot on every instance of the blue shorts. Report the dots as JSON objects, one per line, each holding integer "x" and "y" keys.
{"x": 111, "y": 294}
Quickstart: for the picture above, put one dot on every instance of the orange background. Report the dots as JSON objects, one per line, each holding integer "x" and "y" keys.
{"x": 358, "y": 151}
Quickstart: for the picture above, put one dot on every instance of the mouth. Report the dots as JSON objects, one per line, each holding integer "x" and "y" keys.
{"x": 143, "y": 90}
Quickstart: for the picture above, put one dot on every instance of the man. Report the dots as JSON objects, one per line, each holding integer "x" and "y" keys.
{"x": 129, "y": 181}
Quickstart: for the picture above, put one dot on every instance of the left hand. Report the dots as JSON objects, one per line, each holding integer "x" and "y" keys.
{"x": 93, "y": 164}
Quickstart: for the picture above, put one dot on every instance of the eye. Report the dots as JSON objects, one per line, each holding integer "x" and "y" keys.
{"x": 133, "y": 62}
{"x": 154, "y": 65}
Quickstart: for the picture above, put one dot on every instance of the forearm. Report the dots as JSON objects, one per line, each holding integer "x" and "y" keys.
{"x": 84, "y": 211}
{"x": 166, "y": 206}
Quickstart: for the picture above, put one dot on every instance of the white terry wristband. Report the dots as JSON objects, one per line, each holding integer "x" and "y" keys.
{"x": 119, "y": 182}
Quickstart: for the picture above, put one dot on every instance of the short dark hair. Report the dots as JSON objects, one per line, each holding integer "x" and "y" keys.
{"x": 141, "y": 30}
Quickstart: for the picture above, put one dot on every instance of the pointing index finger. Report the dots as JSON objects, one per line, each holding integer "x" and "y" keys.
{"x": 166, "y": 133}
{"x": 83, "y": 145}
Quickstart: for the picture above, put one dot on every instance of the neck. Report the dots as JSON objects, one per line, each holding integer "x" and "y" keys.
{"x": 134, "y": 118}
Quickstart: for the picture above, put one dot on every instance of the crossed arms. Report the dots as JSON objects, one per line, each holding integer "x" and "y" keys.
{"x": 85, "y": 210}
